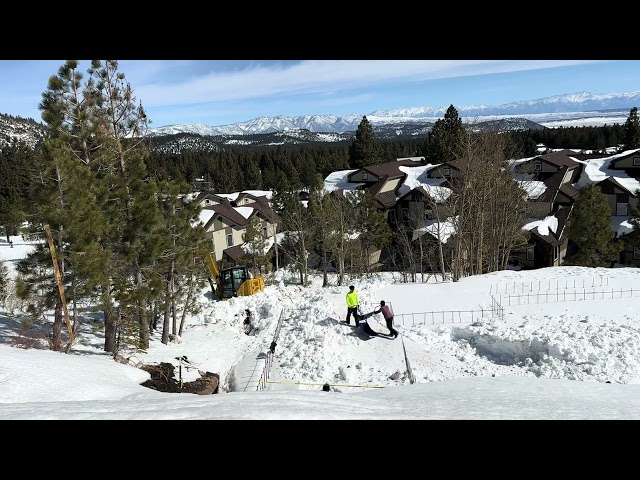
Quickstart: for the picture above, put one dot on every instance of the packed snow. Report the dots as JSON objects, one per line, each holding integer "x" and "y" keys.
{"x": 554, "y": 343}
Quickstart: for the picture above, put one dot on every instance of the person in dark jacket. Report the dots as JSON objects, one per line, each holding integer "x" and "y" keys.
{"x": 388, "y": 317}
{"x": 352, "y": 305}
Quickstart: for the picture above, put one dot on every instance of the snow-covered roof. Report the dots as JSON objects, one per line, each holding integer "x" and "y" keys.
{"x": 443, "y": 229}
{"x": 621, "y": 225}
{"x": 259, "y": 193}
{"x": 244, "y": 211}
{"x": 597, "y": 169}
{"x": 205, "y": 215}
{"x": 338, "y": 181}
{"x": 417, "y": 176}
{"x": 543, "y": 226}
{"x": 514, "y": 163}
{"x": 533, "y": 188}
{"x": 229, "y": 196}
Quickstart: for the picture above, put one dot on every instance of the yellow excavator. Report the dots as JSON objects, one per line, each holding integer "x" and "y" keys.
{"x": 233, "y": 281}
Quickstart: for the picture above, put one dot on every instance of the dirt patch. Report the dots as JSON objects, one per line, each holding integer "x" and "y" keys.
{"x": 163, "y": 379}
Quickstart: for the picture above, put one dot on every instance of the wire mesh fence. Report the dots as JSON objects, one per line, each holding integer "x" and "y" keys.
{"x": 566, "y": 296}
{"x": 496, "y": 311}
{"x": 507, "y": 288}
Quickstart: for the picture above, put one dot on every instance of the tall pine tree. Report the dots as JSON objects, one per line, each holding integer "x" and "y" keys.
{"x": 631, "y": 135}
{"x": 364, "y": 150}
{"x": 589, "y": 227}
{"x": 444, "y": 141}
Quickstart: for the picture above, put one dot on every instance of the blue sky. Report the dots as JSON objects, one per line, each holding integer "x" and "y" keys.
{"x": 220, "y": 92}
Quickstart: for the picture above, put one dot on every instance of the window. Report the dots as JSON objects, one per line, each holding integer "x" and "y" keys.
{"x": 446, "y": 171}
{"x": 530, "y": 253}
{"x": 636, "y": 161}
{"x": 622, "y": 209}
{"x": 229, "y": 240}
{"x": 207, "y": 201}
{"x": 264, "y": 232}
{"x": 365, "y": 176}
{"x": 537, "y": 167}
{"x": 405, "y": 214}
{"x": 636, "y": 252}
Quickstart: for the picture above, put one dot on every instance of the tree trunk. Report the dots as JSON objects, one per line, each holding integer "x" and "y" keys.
{"x": 110, "y": 322}
{"x": 172, "y": 298}
{"x": 56, "y": 334}
{"x": 325, "y": 278}
{"x": 143, "y": 317}
{"x": 186, "y": 307}
{"x": 167, "y": 319}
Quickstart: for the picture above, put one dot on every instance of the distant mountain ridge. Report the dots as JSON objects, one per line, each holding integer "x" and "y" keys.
{"x": 571, "y": 109}
{"x": 580, "y": 102}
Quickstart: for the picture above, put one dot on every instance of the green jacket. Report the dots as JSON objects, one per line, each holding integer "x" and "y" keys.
{"x": 352, "y": 299}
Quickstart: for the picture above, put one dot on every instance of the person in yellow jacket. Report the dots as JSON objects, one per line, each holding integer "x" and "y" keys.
{"x": 352, "y": 305}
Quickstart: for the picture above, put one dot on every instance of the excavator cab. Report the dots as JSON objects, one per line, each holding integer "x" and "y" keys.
{"x": 233, "y": 281}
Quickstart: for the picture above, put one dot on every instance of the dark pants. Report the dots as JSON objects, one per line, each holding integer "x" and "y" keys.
{"x": 354, "y": 311}
{"x": 392, "y": 331}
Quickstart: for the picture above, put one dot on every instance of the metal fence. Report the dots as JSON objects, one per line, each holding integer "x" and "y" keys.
{"x": 450, "y": 316}
{"x": 268, "y": 361}
{"x": 567, "y": 296}
{"x": 548, "y": 285}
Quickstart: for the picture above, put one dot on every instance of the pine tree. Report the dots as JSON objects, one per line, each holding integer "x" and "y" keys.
{"x": 180, "y": 243}
{"x": 323, "y": 210}
{"x": 631, "y": 135}
{"x": 252, "y": 175}
{"x": 589, "y": 227}
{"x": 256, "y": 244}
{"x": 17, "y": 162}
{"x": 374, "y": 230}
{"x": 97, "y": 125}
{"x": 445, "y": 138}
{"x": 364, "y": 150}
{"x": 296, "y": 221}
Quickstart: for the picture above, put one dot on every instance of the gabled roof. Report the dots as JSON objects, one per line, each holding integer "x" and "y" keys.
{"x": 227, "y": 211}
{"x": 261, "y": 204}
{"x": 615, "y": 181}
{"x": 560, "y": 158}
{"x": 555, "y": 238}
{"x": 386, "y": 199}
{"x": 242, "y": 195}
{"x": 235, "y": 253}
{"x": 204, "y": 195}
{"x": 420, "y": 189}
{"x": 389, "y": 169}
{"x": 553, "y": 184}
{"x": 569, "y": 190}
{"x": 455, "y": 164}
{"x": 426, "y": 194}
{"x": 622, "y": 156}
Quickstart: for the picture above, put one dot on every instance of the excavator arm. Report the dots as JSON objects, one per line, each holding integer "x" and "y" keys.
{"x": 211, "y": 264}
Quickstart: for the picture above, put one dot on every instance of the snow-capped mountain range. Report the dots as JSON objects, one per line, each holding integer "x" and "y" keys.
{"x": 542, "y": 110}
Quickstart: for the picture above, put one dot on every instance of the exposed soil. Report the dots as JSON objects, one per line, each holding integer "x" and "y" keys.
{"x": 163, "y": 379}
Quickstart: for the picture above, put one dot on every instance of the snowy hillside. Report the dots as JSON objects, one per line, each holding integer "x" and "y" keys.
{"x": 487, "y": 343}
